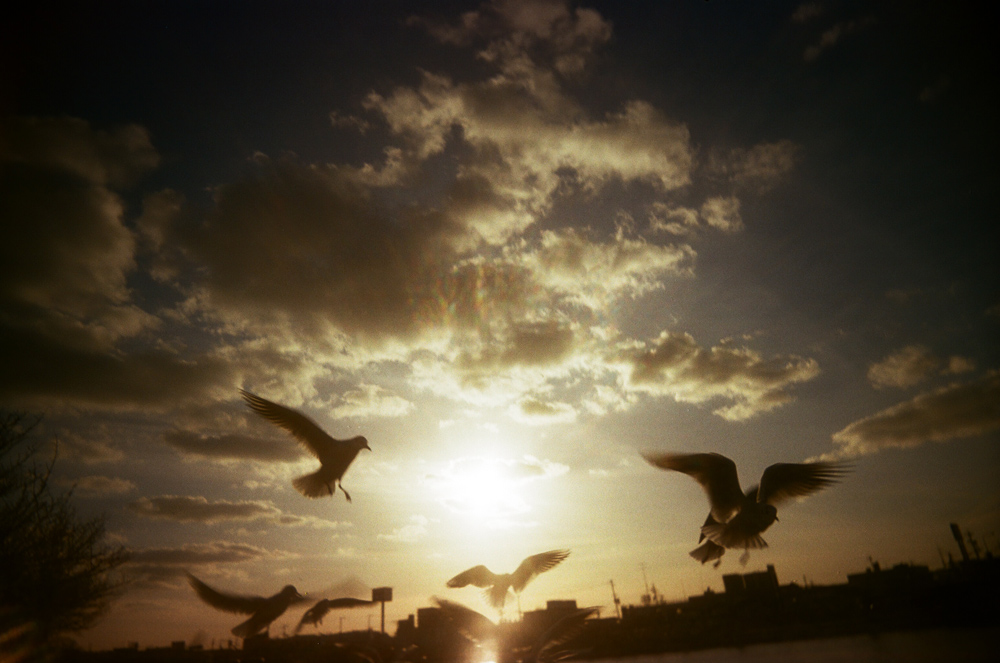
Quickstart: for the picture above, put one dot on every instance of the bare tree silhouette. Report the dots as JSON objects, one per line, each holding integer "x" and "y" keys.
{"x": 56, "y": 571}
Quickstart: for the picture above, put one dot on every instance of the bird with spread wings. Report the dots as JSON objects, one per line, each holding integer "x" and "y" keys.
{"x": 496, "y": 585}
{"x": 334, "y": 455}
{"x": 262, "y": 610}
{"x": 315, "y": 614}
{"x": 737, "y": 519}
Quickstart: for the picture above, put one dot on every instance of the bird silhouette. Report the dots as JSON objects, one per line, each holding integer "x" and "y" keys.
{"x": 737, "y": 519}
{"x": 262, "y": 610}
{"x": 496, "y": 585}
{"x": 315, "y": 614}
{"x": 500, "y": 642}
{"x": 335, "y": 456}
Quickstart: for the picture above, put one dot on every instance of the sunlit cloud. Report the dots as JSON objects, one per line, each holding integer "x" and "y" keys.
{"x": 368, "y": 400}
{"x": 413, "y": 531}
{"x": 675, "y": 365}
{"x": 957, "y": 411}
{"x": 906, "y": 367}
{"x": 722, "y": 213}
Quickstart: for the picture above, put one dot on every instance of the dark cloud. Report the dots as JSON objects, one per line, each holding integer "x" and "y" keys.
{"x": 957, "y": 411}
{"x": 42, "y": 372}
{"x": 185, "y": 509}
{"x": 235, "y": 446}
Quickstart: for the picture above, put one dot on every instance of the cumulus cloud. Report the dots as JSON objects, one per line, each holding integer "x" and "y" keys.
{"x": 535, "y": 411}
{"x": 722, "y": 213}
{"x": 956, "y": 411}
{"x": 675, "y": 365}
{"x": 593, "y": 273}
{"x": 371, "y": 400}
{"x": 548, "y": 29}
{"x": 906, "y": 367}
{"x": 233, "y": 446}
{"x": 187, "y": 509}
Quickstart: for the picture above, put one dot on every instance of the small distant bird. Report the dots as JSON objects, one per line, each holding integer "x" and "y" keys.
{"x": 496, "y": 585}
{"x": 737, "y": 519}
{"x": 335, "y": 456}
{"x": 315, "y": 614}
{"x": 494, "y": 639}
{"x": 262, "y": 610}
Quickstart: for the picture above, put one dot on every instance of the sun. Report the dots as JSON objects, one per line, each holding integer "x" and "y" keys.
{"x": 485, "y": 489}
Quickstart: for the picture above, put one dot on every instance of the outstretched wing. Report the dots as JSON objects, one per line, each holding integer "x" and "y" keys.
{"x": 783, "y": 481}
{"x": 475, "y": 626}
{"x": 716, "y": 474}
{"x": 552, "y": 645}
{"x": 532, "y": 566}
{"x": 227, "y": 602}
{"x": 302, "y": 428}
{"x": 478, "y": 576}
{"x": 315, "y": 614}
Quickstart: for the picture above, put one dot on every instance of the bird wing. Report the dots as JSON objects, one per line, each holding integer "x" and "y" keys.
{"x": 532, "y": 566}
{"x": 473, "y": 625}
{"x": 302, "y": 428}
{"x": 347, "y": 602}
{"x": 551, "y": 644}
{"x": 783, "y": 481}
{"x": 716, "y": 474}
{"x": 479, "y": 576}
{"x": 227, "y": 602}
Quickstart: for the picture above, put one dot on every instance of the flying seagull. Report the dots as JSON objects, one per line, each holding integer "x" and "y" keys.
{"x": 262, "y": 610}
{"x": 737, "y": 519}
{"x": 315, "y": 614}
{"x": 496, "y": 585}
{"x": 335, "y": 456}
{"x": 493, "y": 638}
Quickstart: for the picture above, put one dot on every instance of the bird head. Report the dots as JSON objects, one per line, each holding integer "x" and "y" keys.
{"x": 361, "y": 442}
{"x": 292, "y": 594}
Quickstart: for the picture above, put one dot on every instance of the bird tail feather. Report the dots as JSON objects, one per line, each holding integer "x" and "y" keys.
{"x": 708, "y": 551}
{"x": 311, "y": 485}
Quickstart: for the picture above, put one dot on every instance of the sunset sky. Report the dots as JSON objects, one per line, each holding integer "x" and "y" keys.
{"x": 514, "y": 244}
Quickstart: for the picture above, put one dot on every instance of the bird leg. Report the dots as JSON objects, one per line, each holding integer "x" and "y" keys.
{"x": 745, "y": 557}
{"x": 346, "y": 494}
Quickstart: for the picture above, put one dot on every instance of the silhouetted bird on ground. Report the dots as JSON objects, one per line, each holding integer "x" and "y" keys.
{"x": 496, "y": 585}
{"x": 495, "y": 639}
{"x": 315, "y": 614}
{"x": 335, "y": 456}
{"x": 736, "y": 520}
{"x": 262, "y": 610}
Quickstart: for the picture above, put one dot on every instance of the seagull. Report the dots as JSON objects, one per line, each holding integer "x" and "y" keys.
{"x": 736, "y": 520}
{"x": 494, "y": 639}
{"x": 335, "y": 456}
{"x": 262, "y": 610}
{"x": 496, "y": 585}
{"x": 315, "y": 614}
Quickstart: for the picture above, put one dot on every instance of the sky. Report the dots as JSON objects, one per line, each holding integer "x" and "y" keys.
{"x": 515, "y": 244}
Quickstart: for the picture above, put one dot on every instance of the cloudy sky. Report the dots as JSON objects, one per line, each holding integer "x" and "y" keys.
{"x": 515, "y": 244}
